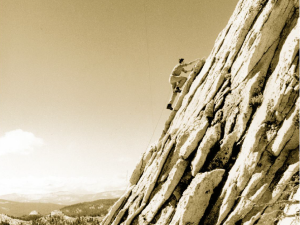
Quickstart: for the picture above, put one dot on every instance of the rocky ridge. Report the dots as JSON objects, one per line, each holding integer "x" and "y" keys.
{"x": 4, "y": 219}
{"x": 229, "y": 150}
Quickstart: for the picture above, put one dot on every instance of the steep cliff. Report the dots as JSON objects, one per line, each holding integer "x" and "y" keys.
{"x": 229, "y": 151}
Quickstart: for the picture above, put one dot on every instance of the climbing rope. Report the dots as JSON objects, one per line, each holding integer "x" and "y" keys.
{"x": 149, "y": 77}
{"x": 157, "y": 122}
{"x": 146, "y": 28}
{"x": 147, "y": 41}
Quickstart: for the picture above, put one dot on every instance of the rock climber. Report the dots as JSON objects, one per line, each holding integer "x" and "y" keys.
{"x": 178, "y": 81}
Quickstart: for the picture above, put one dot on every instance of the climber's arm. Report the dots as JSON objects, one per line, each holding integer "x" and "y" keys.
{"x": 184, "y": 70}
{"x": 192, "y": 62}
{"x": 187, "y": 70}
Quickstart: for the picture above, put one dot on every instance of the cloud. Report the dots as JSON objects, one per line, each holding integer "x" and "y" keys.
{"x": 19, "y": 142}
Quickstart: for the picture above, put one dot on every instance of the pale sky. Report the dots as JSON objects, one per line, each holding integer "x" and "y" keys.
{"x": 83, "y": 83}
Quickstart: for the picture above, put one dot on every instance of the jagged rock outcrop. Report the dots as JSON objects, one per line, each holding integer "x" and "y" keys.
{"x": 4, "y": 219}
{"x": 229, "y": 151}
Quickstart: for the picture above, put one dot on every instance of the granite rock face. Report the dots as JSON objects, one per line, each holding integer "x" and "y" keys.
{"x": 228, "y": 153}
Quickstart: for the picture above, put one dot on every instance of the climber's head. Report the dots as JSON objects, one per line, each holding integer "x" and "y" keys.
{"x": 181, "y": 60}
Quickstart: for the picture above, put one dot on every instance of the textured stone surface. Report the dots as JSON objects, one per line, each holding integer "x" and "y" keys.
{"x": 234, "y": 132}
{"x": 165, "y": 192}
{"x": 116, "y": 206}
{"x": 139, "y": 168}
{"x": 195, "y": 198}
{"x": 210, "y": 139}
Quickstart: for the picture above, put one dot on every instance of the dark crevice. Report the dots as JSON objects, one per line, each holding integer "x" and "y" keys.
{"x": 233, "y": 123}
{"x": 278, "y": 125}
{"x": 226, "y": 57}
{"x": 210, "y": 156}
{"x": 156, "y": 189}
{"x": 280, "y": 172}
{"x": 239, "y": 222}
{"x": 181, "y": 186}
{"x": 185, "y": 180}
{"x": 193, "y": 154}
{"x": 169, "y": 202}
{"x": 166, "y": 165}
{"x": 223, "y": 101}
{"x": 121, "y": 207}
{"x": 124, "y": 216}
{"x": 213, "y": 199}
{"x": 227, "y": 30}
{"x": 201, "y": 112}
{"x": 235, "y": 151}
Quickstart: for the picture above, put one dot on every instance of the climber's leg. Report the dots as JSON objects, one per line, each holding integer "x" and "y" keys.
{"x": 178, "y": 81}
{"x": 173, "y": 96}
{"x": 173, "y": 86}
{"x": 181, "y": 82}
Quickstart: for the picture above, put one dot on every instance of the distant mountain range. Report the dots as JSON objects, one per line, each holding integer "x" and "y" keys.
{"x": 24, "y": 208}
{"x": 61, "y": 198}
